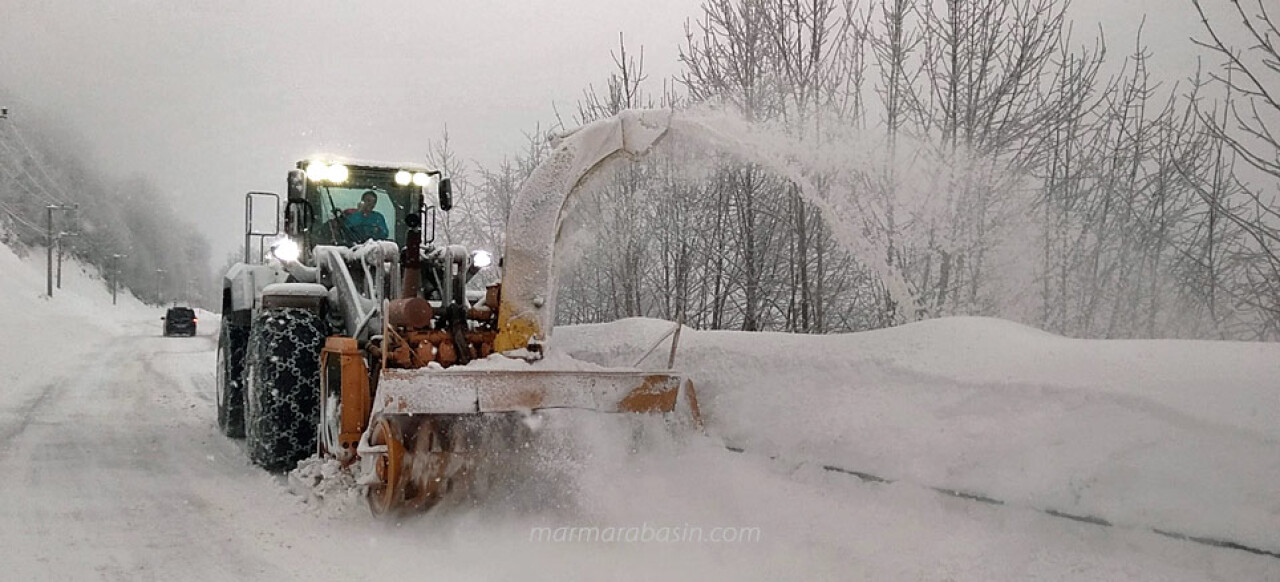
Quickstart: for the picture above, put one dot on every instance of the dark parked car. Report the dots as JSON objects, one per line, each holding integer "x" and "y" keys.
{"x": 180, "y": 321}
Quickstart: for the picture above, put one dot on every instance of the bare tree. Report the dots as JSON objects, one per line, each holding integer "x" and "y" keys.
{"x": 1250, "y": 125}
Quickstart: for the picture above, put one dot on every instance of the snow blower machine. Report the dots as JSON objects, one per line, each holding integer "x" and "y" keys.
{"x": 354, "y": 335}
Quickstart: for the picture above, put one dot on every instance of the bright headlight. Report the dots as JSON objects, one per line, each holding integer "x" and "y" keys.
{"x": 286, "y": 250}
{"x": 338, "y": 173}
{"x": 317, "y": 171}
{"x": 481, "y": 259}
{"x": 403, "y": 178}
{"x": 420, "y": 179}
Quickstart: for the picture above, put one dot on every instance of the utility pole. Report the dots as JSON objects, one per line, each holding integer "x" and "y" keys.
{"x": 115, "y": 274}
{"x": 49, "y": 232}
{"x": 49, "y": 263}
{"x": 62, "y": 235}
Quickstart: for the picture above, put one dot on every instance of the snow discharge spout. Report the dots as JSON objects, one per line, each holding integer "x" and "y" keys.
{"x": 538, "y": 211}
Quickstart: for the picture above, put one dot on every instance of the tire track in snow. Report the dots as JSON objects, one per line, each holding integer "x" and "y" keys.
{"x": 108, "y": 461}
{"x": 27, "y": 413}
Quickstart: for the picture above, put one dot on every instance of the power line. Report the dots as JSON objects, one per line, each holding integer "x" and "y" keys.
{"x": 44, "y": 192}
{"x": 32, "y": 155}
{"x": 38, "y": 229}
{"x": 26, "y": 189}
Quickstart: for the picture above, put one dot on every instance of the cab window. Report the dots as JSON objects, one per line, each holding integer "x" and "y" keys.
{"x": 343, "y": 220}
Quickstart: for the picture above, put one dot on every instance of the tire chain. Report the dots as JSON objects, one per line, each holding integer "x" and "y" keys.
{"x": 233, "y": 342}
{"x": 282, "y": 384}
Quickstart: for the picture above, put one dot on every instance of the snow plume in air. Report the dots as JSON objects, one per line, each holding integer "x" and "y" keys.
{"x": 882, "y": 201}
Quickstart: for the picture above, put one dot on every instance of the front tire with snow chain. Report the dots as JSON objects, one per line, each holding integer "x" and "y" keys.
{"x": 282, "y": 386}
{"x": 232, "y": 343}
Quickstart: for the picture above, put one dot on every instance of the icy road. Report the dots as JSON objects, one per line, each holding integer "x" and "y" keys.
{"x": 111, "y": 467}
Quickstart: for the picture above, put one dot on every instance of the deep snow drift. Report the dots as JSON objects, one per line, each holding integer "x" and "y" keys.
{"x": 113, "y": 468}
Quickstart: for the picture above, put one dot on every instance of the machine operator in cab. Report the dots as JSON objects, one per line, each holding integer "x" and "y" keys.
{"x": 364, "y": 222}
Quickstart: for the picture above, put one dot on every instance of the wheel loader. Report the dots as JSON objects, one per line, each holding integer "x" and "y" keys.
{"x": 354, "y": 334}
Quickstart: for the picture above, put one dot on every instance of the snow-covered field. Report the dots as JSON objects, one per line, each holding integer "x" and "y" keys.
{"x": 111, "y": 466}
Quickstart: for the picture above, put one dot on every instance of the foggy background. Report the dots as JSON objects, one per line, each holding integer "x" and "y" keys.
{"x": 213, "y": 99}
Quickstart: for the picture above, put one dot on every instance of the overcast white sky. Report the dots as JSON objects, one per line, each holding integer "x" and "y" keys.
{"x": 211, "y": 99}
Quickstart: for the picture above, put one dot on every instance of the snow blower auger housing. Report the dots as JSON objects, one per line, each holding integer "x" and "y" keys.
{"x": 354, "y": 334}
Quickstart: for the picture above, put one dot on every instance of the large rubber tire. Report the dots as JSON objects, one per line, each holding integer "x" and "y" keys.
{"x": 233, "y": 341}
{"x": 282, "y": 387}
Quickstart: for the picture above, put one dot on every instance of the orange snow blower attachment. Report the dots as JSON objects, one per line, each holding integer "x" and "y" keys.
{"x": 432, "y": 425}
{"x": 437, "y": 399}
{"x": 425, "y": 424}
{"x": 348, "y": 395}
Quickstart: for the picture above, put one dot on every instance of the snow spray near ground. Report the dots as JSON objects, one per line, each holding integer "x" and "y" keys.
{"x": 327, "y": 486}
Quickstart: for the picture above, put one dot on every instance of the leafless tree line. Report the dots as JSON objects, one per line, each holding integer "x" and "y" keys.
{"x": 1092, "y": 205}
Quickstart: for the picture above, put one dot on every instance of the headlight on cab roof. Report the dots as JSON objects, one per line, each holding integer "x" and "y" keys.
{"x": 338, "y": 173}
{"x": 317, "y": 171}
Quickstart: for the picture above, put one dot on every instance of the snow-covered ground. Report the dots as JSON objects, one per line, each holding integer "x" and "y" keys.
{"x": 111, "y": 466}
{"x": 1175, "y": 435}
